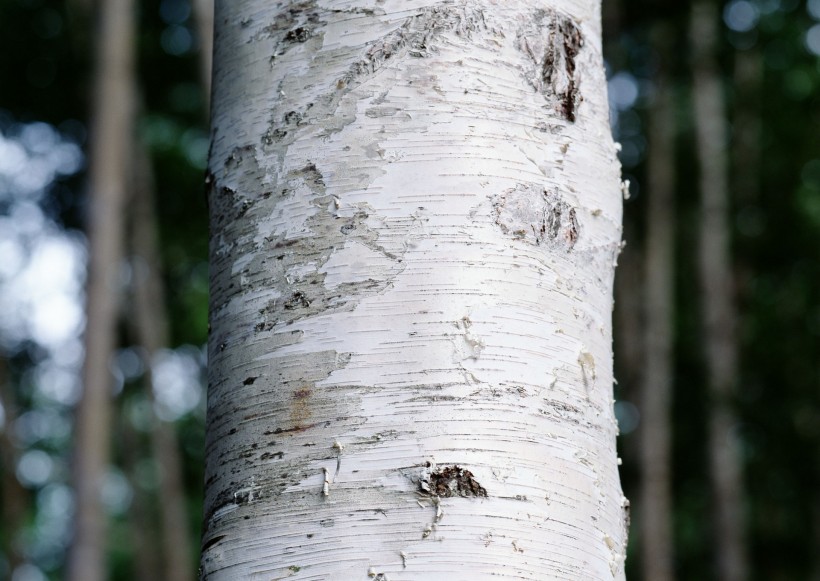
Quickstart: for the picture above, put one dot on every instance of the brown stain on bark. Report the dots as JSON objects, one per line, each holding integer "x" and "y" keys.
{"x": 300, "y": 404}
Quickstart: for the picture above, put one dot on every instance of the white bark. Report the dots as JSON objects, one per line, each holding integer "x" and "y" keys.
{"x": 415, "y": 215}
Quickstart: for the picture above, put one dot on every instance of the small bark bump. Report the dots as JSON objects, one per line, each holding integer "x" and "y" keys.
{"x": 551, "y": 43}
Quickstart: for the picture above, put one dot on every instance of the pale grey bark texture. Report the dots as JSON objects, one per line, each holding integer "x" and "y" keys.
{"x": 415, "y": 216}
{"x": 655, "y": 433}
{"x": 111, "y": 136}
{"x": 717, "y": 301}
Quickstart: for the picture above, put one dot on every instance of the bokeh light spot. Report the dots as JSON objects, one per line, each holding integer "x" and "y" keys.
{"x": 623, "y": 90}
{"x": 34, "y": 468}
{"x": 176, "y": 40}
{"x": 741, "y": 15}
{"x": 813, "y": 39}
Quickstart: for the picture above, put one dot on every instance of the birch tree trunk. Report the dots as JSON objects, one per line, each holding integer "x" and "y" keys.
{"x": 718, "y": 309}
{"x": 415, "y": 216}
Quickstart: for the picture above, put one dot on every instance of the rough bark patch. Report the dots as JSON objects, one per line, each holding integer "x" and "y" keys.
{"x": 538, "y": 216}
{"x": 451, "y": 481}
{"x": 325, "y": 232}
{"x": 293, "y": 25}
{"x": 226, "y": 204}
{"x": 278, "y": 131}
{"x": 551, "y": 43}
{"x": 418, "y": 37}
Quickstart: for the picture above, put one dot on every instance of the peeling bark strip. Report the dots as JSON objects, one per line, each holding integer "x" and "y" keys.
{"x": 412, "y": 257}
{"x": 552, "y": 42}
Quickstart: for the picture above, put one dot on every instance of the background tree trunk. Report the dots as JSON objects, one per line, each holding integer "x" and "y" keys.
{"x": 656, "y": 387}
{"x": 152, "y": 332}
{"x": 141, "y": 514}
{"x": 718, "y": 308}
{"x": 204, "y": 15}
{"x": 15, "y": 499}
{"x": 415, "y": 215}
{"x": 111, "y": 134}
{"x": 746, "y": 129}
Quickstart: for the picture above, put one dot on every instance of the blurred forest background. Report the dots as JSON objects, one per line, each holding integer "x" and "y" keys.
{"x": 717, "y": 109}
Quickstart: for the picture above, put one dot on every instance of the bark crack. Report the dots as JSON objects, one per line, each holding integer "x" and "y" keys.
{"x": 552, "y": 42}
